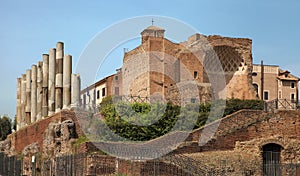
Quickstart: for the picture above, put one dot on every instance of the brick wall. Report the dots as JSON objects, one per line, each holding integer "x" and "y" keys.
{"x": 246, "y": 125}
{"x": 232, "y": 52}
{"x": 34, "y": 132}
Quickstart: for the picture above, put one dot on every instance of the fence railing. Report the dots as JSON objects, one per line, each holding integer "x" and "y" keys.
{"x": 10, "y": 165}
{"x": 281, "y": 104}
{"x": 172, "y": 164}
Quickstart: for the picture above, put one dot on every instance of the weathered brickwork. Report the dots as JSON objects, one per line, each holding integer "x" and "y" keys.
{"x": 248, "y": 131}
{"x": 35, "y": 132}
{"x": 163, "y": 63}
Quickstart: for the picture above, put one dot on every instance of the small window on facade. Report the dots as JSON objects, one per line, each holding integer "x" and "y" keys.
{"x": 116, "y": 78}
{"x": 103, "y": 92}
{"x": 116, "y": 90}
{"x": 279, "y": 95}
{"x": 266, "y": 95}
{"x": 292, "y": 96}
{"x": 84, "y": 100}
{"x": 292, "y": 85}
{"x": 195, "y": 74}
{"x": 255, "y": 87}
{"x": 98, "y": 94}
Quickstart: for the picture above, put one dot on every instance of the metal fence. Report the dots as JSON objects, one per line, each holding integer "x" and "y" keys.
{"x": 281, "y": 104}
{"x": 68, "y": 165}
{"x": 10, "y": 165}
{"x": 170, "y": 165}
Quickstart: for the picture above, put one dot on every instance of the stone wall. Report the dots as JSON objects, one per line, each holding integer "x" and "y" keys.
{"x": 35, "y": 133}
{"x": 241, "y": 135}
{"x": 180, "y": 94}
{"x": 247, "y": 131}
{"x": 231, "y": 163}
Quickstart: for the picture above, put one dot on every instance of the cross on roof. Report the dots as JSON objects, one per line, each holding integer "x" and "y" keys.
{"x": 152, "y": 21}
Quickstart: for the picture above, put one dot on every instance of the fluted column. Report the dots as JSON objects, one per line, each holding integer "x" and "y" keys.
{"x": 75, "y": 90}
{"x": 59, "y": 76}
{"x": 39, "y": 91}
{"x": 67, "y": 70}
{"x": 33, "y": 93}
{"x": 28, "y": 97}
{"x": 51, "y": 83}
{"x": 18, "y": 113}
{"x": 45, "y": 85}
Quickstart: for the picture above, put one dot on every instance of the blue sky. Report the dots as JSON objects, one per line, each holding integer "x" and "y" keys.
{"x": 30, "y": 28}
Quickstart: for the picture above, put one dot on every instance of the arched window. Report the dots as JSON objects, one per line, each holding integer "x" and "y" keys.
{"x": 255, "y": 87}
{"x": 271, "y": 159}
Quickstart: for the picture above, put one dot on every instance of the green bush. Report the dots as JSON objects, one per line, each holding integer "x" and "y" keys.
{"x": 5, "y": 127}
{"x": 142, "y": 121}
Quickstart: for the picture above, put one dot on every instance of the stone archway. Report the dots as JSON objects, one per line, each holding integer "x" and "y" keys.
{"x": 271, "y": 154}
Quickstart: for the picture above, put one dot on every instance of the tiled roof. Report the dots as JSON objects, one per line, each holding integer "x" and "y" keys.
{"x": 154, "y": 28}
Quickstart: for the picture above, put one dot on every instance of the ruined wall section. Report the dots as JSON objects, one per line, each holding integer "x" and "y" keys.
{"x": 248, "y": 131}
{"x": 171, "y": 63}
{"x": 38, "y": 132}
{"x": 240, "y": 85}
{"x": 135, "y": 74}
{"x": 235, "y": 56}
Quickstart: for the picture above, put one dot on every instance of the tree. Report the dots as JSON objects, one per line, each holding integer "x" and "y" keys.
{"x": 14, "y": 125}
{"x": 5, "y": 127}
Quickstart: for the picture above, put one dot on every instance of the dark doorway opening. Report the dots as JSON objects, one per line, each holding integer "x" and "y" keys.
{"x": 271, "y": 160}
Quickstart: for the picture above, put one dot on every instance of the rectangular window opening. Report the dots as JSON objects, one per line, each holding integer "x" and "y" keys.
{"x": 292, "y": 85}
{"x": 98, "y": 94}
{"x": 292, "y": 97}
{"x": 116, "y": 90}
{"x": 103, "y": 92}
{"x": 195, "y": 74}
{"x": 266, "y": 95}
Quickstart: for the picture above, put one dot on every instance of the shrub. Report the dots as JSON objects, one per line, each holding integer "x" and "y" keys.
{"x": 142, "y": 121}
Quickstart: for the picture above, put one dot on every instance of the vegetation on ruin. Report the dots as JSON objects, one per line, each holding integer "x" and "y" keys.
{"x": 80, "y": 140}
{"x": 143, "y": 121}
{"x": 5, "y": 127}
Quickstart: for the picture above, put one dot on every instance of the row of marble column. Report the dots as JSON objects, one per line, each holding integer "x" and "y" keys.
{"x": 47, "y": 88}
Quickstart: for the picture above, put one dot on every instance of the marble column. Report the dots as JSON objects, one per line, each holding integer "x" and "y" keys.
{"x": 51, "y": 82}
{"x": 39, "y": 90}
{"x": 23, "y": 101}
{"x": 28, "y": 97}
{"x": 33, "y": 93}
{"x": 45, "y": 85}
{"x": 75, "y": 90}
{"x": 67, "y": 70}
{"x": 59, "y": 76}
{"x": 18, "y": 113}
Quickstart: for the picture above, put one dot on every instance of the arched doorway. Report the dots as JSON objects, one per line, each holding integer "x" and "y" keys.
{"x": 271, "y": 159}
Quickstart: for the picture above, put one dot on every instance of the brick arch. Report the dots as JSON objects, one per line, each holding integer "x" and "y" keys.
{"x": 272, "y": 158}
{"x": 272, "y": 141}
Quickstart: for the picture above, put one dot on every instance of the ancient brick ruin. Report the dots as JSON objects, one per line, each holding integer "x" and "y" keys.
{"x": 158, "y": 66}
{"x": 49, "y": 130}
